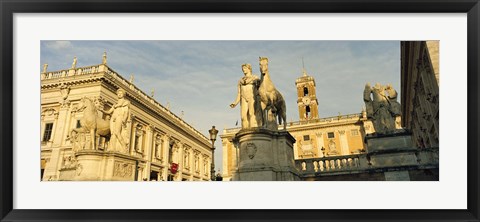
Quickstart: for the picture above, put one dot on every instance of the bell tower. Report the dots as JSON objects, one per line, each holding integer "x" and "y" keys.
{"x": 306, "y": 97}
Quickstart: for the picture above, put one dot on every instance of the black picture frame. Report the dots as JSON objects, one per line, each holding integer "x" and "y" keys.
{"x": 9, "y": 7}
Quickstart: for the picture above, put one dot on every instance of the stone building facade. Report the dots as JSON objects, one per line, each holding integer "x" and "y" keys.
{"x": 161, "y": 146}
{"x": 420, "y": 91}
{"x": 315, "y": 137}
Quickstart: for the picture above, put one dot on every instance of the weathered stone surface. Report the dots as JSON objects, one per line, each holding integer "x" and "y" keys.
{"x": 383, "y": 108}
{"x": 397, "y": 176}
{"x": 92, "y": 165}
{"x": 265, "y": 155}
{"x": 393, "y": 159}
{"x": 389, "y": 142}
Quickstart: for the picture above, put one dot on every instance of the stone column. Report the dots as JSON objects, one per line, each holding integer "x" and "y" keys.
{"x": 179, "y": 175}
{"x": 58, "y": 124}
{"x": 68, "y": 123}
{"x": 320, "y": 144}
{"x": 343, "y": 143}
{"x": 227, "y": 149}
{"x": 131, "y": 145}
{"x": 295, "y": 148}
{"x": 147, "y": 151}
{"x": 166, "y": 157}
{"x": 52, "y": 167}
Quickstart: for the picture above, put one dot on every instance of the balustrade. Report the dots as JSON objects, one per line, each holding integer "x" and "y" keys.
{"x": 69, "y": 72}
{"x": 332, "y": 163}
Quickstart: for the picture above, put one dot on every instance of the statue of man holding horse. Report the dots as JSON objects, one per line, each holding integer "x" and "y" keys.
{"x": 272, "y": 102}
{"x": 247, "y": 95}
{"x": 118, "y": 122}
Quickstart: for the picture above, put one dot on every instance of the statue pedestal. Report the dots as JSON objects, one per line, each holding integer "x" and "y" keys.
{"x": 265, "y": 155}
{"x": 94, "y": 165}
{"x": 392, "y": 151}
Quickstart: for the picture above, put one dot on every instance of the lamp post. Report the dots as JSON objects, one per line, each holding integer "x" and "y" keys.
{"x": 213, "y": 136}
{"x": 323, "y": 151}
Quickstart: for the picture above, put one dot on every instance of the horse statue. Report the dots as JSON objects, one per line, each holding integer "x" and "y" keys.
{"x": 91, "y": 123}
{"x": 270, "y": 97}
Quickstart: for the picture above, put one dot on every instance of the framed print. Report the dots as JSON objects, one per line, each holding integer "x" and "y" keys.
{"x": 320, "y": 110}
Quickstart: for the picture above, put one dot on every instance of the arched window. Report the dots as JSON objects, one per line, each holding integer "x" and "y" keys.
{"x": 305, "y": 91}
{"x": 307, "y": 111}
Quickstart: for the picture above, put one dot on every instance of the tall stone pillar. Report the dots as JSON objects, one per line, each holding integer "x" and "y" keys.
{"x": 179, "y": 175}
{"x": 320, "y": 144}
{"x": 265, "y": 155}
{"x": 344, "y": 143}
{"x": 148, "y": 151}
{"x": 52, "y": 167}
{"x": 166, "y": 157}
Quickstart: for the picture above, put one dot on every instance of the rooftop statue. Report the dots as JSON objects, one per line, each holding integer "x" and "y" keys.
{"x": 383, "y": 108}
{"x": 104, "y": 58}
{"x": 74, "y": 64}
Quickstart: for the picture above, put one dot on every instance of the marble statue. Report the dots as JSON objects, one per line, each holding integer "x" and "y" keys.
{"x": 74, "y": 64}
{"x": 383, "y": 108}
{"x": 45, "y": 66}
{"x": 395, "y": 107}
{"x": 272, "y": 102}
{"x": 247, "y": 95}
{"x": 104, "y": 58}
{"x": 118, "y": 123}
{"x": 91, "y": 123}
{"x": 131, "y": 78}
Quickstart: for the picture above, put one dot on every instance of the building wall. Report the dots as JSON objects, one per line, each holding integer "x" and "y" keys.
{"x": 420, "y": 91}
{"x": 157, "y": 137}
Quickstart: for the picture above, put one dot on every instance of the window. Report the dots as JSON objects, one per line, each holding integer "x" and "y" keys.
{"x": 354, "y": 132}
{"x": 47, "y": 133}
{"x": 153, "y": 175}
{"x": 137, "y": 143}
{"x": 305, "y": 91}
{"x": 331, "y": 135}
{"x": 307, "y": 112}
{"x": 306, "y": 137}
{"x": 79, "y": 125}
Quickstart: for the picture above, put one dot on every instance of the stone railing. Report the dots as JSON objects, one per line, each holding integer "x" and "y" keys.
{"x": 231, "y": 130}
{"x": 72, "y": 72}
{"x": 349, "y": 117}
{"x": 332, "y": 164}
{"x": 426, "y": 157}
{"x": 340, "y": 118}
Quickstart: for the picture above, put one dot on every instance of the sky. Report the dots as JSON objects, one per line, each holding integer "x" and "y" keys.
{"x": 199, "y": 78}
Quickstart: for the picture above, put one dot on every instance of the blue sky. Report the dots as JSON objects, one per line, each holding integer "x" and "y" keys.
{"x": 200, "y": 77}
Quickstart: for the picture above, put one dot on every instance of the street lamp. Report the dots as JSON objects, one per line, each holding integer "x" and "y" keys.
{"x": 323, "y": 151}
{"x": 213, "y": 136}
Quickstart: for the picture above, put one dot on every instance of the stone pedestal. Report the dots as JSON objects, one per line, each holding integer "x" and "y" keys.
{"x": 385, "y": 142}
{"x": 392, "y": 151}
{"x": 265, "y": 155}
{"x": 94, "y": 165}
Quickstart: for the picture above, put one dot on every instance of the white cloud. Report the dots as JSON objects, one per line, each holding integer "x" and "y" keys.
{"x": 58, "y": 45}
